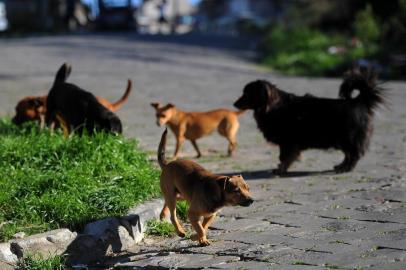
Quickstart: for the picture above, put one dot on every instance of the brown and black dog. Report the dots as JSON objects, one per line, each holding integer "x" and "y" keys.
{"x": 297, "y": 123}
{"x": 33, "y": 108}
{"x": 194, "y": 125}
{"x": 205, "y": 192}
{"x": 78, "y": 109}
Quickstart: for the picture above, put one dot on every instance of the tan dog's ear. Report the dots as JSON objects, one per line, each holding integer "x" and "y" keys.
{"x": 156, "y": 105}
{"x": 170, "y": 105}
{"x": 36, "y": 103}
{"x": 226, "y": 182}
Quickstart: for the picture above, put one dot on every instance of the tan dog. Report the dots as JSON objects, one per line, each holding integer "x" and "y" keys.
{"x": 205, "y": 192}
{"x": 194, "y": 125}
{"x": 33, "y": 108}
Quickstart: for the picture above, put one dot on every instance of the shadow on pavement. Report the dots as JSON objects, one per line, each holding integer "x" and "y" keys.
{"x": 261, "y": 174}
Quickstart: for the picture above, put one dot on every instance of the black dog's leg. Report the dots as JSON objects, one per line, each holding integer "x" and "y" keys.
{"x": 287, "y": 156}
{"x": 350, "y": 161}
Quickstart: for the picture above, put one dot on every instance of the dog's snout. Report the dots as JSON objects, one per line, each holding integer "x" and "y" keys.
{"x": 236, "y": 104}
{"x": 247, "y": 202}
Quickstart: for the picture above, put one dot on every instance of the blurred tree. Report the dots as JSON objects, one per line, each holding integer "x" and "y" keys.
{"x": 366, "y": 26}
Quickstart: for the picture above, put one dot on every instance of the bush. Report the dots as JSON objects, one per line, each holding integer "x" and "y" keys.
{"x": 48, "y": 182}
{"x": 304, "y": 51}
{"x": 366, "y": 27}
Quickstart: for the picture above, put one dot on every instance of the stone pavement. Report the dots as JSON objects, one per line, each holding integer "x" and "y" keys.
{"x": 310, "y": 219}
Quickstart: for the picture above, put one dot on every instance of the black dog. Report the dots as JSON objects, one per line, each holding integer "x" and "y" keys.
{"x": 77, "y": 109}
{"x": 298, "y": 123}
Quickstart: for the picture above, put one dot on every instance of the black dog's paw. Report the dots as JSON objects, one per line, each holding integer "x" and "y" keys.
{"x": 342, "y": 168}
{"x": 279, "y": 171}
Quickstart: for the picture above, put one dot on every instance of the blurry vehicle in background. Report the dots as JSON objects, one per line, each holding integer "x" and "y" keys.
{"x": 3, "y": 17}
{"x": 115, "y": 15}
{"x": 165, "y": 17}
{"x": 45, "y": 15}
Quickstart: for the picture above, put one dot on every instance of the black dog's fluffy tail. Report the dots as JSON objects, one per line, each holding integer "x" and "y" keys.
{"x": 161, "y": 150}
{"x": 62, "y": 74}
{"x": 363, "y": 80}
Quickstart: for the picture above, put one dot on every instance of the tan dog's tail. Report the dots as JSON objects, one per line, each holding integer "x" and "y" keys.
{"x": 116, "y": 105}
{"x": 161, "y": 150}
{"x": 238, "y": 113}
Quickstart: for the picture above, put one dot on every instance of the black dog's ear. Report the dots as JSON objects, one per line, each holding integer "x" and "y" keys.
{"x": 270, "y": 94}
{"x": 156, "y": 105}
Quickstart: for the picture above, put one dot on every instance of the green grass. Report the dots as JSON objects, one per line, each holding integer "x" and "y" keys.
{"x": 181, "y": 210}
{"x": 160, "y": 228}
{"x": 48, "y": 182}
{"x": 38, "y": 262}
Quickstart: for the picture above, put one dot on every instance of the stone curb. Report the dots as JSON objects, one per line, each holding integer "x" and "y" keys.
{"x": 98, "y": 239}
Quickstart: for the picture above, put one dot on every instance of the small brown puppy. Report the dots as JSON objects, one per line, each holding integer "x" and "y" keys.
{"x": 205, "y": 192}
{"x": 33, "y": 108}
{"x": 194, "y": 125}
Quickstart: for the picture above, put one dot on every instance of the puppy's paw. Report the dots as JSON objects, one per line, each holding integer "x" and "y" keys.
{"x": 181, "y": 234}
{"x": 204, "y": 242}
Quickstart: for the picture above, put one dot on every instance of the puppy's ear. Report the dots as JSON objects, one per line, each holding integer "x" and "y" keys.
{"x": 170, "y": 105}
{"x": 225, "y": 182}
{"x": 156, "y": 105}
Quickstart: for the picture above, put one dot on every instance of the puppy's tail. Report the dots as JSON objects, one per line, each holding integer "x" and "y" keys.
{"x": 161, "y": 150}
{"x": 116, "y": 105}
{"x": 363, "y": 80}
{"x": 62, "y": 74}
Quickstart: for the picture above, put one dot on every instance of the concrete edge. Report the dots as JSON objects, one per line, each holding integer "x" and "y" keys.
{"x": 98, "y": 239}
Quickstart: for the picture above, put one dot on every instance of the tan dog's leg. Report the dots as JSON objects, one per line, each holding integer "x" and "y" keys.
{"x": 42, "y": 121}
{"x": 179, "y": 142}
{"x": 164, "y": 213}
{"x": 199, "y": 154}
{"x": 64, "y": 125}
{"x": 170, "y": 202}
{"x": 228, "y": 128}
{"x": 200, "y": 236}
{"x": 207, "y": 221}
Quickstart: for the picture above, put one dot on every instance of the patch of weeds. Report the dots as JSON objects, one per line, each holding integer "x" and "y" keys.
{"x": 182, "y": 208}
{"x": 48, "y": 181}
{"x": 330, "y": 266}
{"x": 335, "y": 206}
{"x": 329, "y": 229}
{"x": 299, "y": 263}
{"x": 338, "y": 242}
{"x": 38, "y": 262}
{"x": 159, "y": 228}
{"x": 343, "y": 217}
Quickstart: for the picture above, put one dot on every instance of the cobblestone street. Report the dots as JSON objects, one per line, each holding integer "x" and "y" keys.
{"x": 310, "y": 219}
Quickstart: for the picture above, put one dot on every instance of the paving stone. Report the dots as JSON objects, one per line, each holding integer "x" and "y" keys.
{"x": 7, "y": 258}
{"x": 52, "y": 242}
